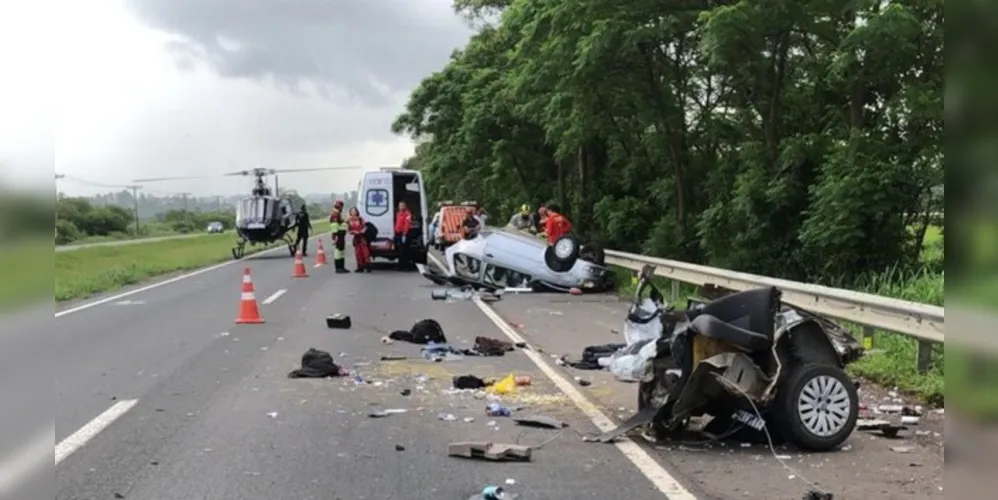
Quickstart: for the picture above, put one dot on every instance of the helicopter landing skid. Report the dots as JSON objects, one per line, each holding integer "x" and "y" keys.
{"x": 239, "y": 250}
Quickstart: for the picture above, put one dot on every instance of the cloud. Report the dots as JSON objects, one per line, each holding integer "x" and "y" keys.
{"x": 365, "y": 50}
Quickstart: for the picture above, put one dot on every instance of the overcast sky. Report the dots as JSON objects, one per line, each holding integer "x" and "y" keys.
{"x": 153, "y": 88}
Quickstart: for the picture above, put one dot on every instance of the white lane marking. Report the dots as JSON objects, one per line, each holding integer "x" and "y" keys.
{"x": 89, "y": 431}
{"x": 659, "y": 477}
{"x": 276, "y": 295}
{"x": 34, "y": 456}
{"x": 158, "y": 284}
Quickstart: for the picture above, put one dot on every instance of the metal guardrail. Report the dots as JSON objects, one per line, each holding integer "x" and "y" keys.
{"x": 920, "y": 321}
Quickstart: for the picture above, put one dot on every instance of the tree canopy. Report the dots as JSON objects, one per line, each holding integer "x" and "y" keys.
{"x": 800, "y": 139}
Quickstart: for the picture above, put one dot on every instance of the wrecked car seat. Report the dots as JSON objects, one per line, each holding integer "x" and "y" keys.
{"x": 713, "y": 328}
{"x": 751, "y": 310}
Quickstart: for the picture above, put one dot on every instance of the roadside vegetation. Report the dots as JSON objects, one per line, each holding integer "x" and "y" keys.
{"x": 782, "y": 139}
{"x": 79, "y": 221}
{"x": 88, "y": 271}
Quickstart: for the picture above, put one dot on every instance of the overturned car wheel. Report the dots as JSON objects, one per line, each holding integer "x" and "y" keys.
{"x": 817, "y": 407}
{"x": 561, "y": 256}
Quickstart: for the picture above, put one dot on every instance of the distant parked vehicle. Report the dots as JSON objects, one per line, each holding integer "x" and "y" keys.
{"x": 215, "y": 227}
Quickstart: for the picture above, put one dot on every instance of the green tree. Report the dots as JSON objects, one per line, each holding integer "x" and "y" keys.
{"x": 794, "y": 139}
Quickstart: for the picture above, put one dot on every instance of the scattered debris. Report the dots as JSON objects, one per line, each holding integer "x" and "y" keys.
{"x": 493, "y": 493}
{"x": 498, "y": 452}
{"x": 497, "y": 410}
{"x": 272, "y": 414}
{"x": 469, "y": 382}
{"x": 817, "y": 495}
{"x": 339, "y": 321}
{"x": 385, "y": 413}
{"x": 523, "y": 380}
{"x": 394, "y": 358}
{"x": 406, "y": 392}
{"x": 423, "y": 332}
{"x": 505, "y": 386}
{"x": 540, "y": 421}
{"x": 399, "y": 447}
{"x": 902, "y": 449}
{"x": 317, "y": 364}
{"x": 583, "y": 382}
{"x": 447, "y": 417}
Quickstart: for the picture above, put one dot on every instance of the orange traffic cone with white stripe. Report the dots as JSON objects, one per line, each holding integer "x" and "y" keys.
{"x": 249, "y": 311}
{"x": 300, "y": 271}
{"x": 320, "y": 255}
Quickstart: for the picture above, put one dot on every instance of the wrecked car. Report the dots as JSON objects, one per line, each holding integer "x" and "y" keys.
{"x": 499, "y": 259}
{"x": 752, "y": 363}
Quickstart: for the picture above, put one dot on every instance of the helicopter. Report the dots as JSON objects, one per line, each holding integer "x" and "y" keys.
{"x": 262, "y": 218}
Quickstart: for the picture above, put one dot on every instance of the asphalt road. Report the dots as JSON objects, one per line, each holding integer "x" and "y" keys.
{"x": 70, "y": 248}
{"x": 160, "y": 396}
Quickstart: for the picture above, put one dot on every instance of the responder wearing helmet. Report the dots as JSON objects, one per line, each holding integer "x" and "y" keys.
{"x": 522, "y": 221}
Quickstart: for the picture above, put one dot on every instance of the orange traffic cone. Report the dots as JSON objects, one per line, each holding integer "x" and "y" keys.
{"x": 249, "y": 312}
{"x": 320, "y": 255}
{"x": 300, "y": 271}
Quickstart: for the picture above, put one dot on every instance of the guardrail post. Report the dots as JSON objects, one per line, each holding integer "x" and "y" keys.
{"x": 924, "y": 356}
{"x": 675, "y": 291}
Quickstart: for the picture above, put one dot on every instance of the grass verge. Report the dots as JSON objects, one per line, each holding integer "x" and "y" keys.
{"x": 25, "y": 273}
{"x": 892, "y": 359}
{"x": 88, "y": 271}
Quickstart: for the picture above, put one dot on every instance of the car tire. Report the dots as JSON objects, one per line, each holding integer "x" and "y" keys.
{"x": 593, "y": 253}
{"x": 822, "y": 384}
{"x": 563, "y": 263}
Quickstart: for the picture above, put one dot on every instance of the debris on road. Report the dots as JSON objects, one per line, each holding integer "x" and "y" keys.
{"x": 472, "y": 382}
{"x": 338, "y": 321}
{"x": 817, "y": 495}
{"x": 505, "y": 386}
{"x": 317, "y": 364}
{"x": 540, "y": 421}
{"x": 423, "y": 332}
{"x": 394, "y": 358}
{"x": 497, "y": 410}
{"x": 385, "y": 413}
{"x": 494, "y": 493}
{"x": 497, "y": 452}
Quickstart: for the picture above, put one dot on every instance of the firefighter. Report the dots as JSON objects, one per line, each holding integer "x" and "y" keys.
{"x": 339, "y": 229}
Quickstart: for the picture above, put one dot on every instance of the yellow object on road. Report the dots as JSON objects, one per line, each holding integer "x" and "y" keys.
{"x": 505, "y": 386}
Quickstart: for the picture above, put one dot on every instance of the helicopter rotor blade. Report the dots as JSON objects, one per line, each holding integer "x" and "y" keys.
{"x": 273, "y": 171}
{"x": 161, "y": 179}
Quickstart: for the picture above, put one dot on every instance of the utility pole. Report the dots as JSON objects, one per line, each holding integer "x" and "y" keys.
{"x": 135, "y": 200}
{"x": 55, "y": 221}
{"x": 187, "y": 216}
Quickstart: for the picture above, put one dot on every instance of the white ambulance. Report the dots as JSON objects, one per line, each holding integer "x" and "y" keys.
{"x": 378, "y": 197}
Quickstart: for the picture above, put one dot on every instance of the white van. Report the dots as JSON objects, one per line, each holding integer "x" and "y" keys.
{"x": 378, "y": 197}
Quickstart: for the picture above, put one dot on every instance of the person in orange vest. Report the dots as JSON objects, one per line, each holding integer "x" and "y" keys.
{"x": 339, "y": 229}
{"x": 556, "y": 225}
{"x": 403, "y": 224}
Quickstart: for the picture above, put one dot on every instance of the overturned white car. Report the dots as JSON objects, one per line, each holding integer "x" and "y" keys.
{"x": 499, "y": 259}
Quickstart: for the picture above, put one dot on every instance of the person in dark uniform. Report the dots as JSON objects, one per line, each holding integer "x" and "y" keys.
{"x": 304, "y": 227}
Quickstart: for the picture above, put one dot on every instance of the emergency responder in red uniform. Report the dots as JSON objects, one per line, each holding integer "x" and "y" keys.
{"x": 339, "y": 230}
{"x": 557, "y": 225}
{"x": 403, "y": 223}
{"x": 356, "y": 227}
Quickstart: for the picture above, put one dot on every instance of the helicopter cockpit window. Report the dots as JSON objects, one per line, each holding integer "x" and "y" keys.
{"x": 251, "y": 213}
